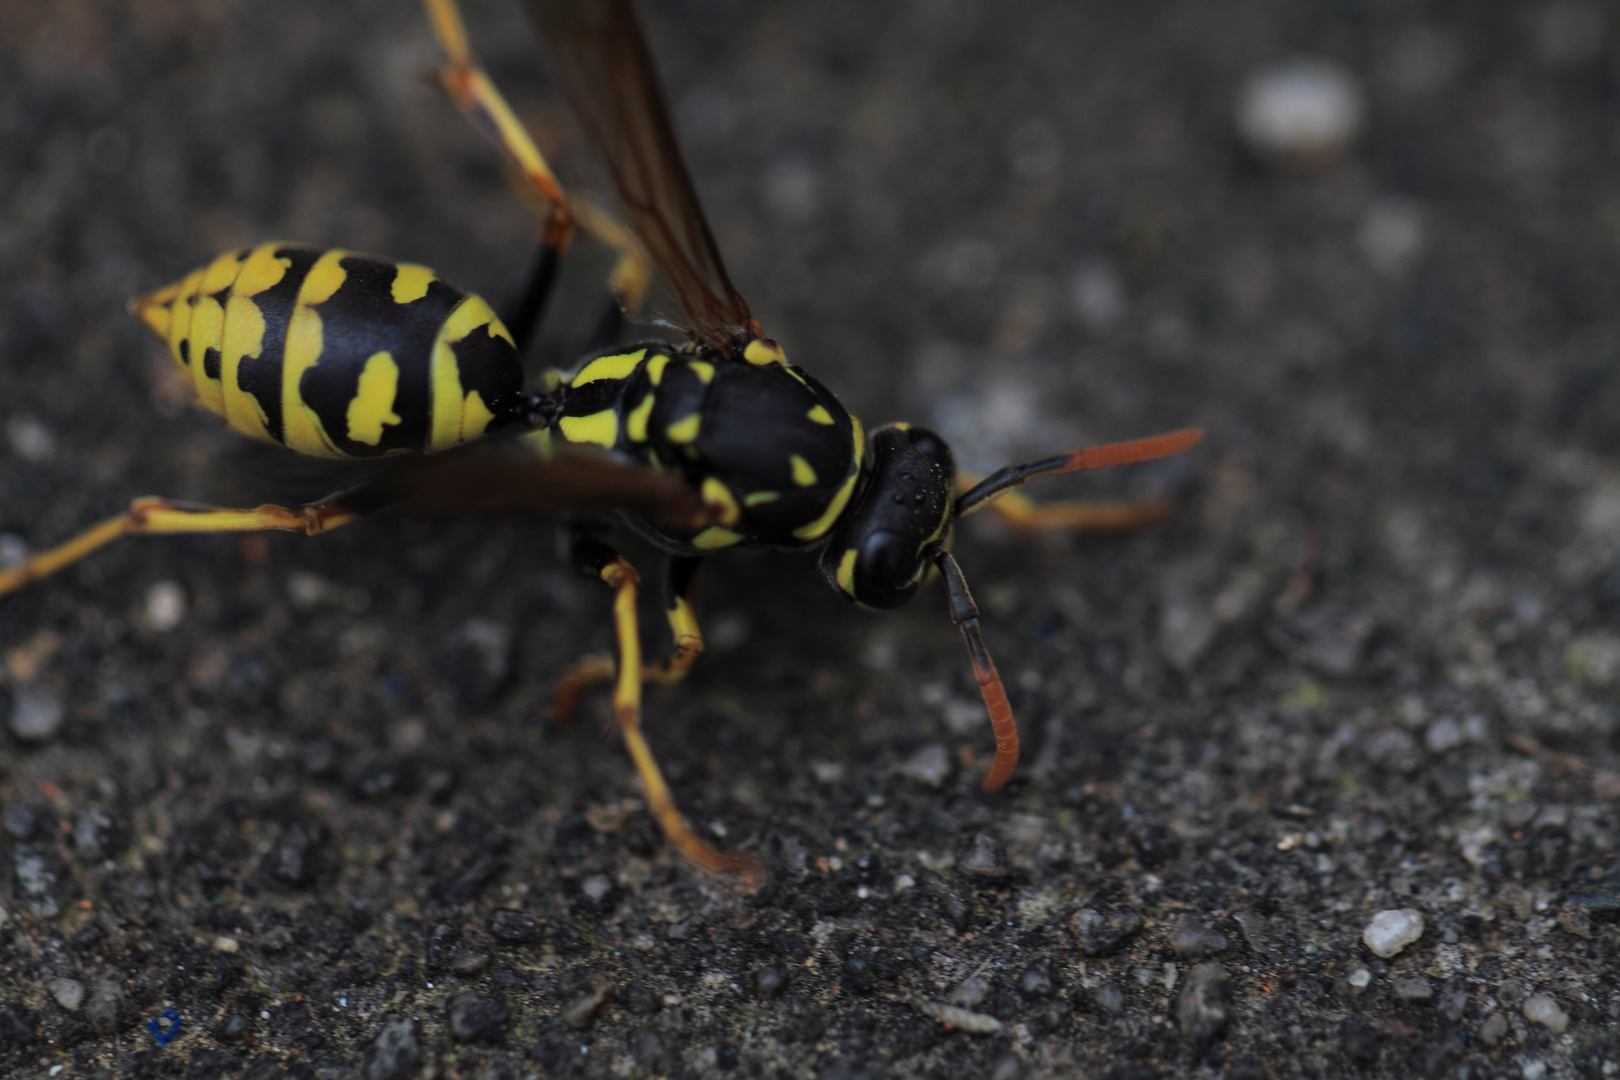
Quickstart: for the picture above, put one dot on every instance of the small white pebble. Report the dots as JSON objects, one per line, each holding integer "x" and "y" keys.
{"x": 1542, "y": 1009}
{"x": 1360, "y": 978}
{"x": 32, "y": 440}
{"x": 1300, "y": 110}
{"x": 1444, "y": 734}
{"x": 1392, "y": 930}
{"x": 165, "y": 605}
{"x": 226, "y": 944}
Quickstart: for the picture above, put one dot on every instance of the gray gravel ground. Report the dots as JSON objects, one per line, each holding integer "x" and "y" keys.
{"x": 300, "y": 793}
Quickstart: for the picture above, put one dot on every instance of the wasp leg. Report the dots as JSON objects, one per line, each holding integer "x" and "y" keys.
{"x": 602, "y": 562}
{"x": 158, "y": 515}
{"x": 680, "y": 608}
{"x": 965, "y": 614}
{"x": 1024, "y": 515}
{"x": 680, "y": 588}
{"x": 471, "y": 88}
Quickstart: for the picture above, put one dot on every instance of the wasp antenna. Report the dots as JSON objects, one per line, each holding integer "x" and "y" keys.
{"x": 966, "y": 617}
{"x": 1092, "y": 457}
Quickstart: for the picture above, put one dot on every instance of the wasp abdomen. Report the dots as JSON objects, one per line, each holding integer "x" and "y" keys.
{"x": 338, "y": 355}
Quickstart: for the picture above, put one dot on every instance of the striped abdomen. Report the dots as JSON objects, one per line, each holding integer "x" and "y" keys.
{"x": 338, "y": 355}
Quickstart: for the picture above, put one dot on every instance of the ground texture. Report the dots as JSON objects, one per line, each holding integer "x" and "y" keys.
{"x": 298, "y": 797}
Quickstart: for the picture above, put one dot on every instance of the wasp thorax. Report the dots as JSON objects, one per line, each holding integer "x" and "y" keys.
{"x": 882, "y": 550}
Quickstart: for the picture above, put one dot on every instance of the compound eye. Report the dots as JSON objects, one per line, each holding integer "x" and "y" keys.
{"x": 885, "y": 570}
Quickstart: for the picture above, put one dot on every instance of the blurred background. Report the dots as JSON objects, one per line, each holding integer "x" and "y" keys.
{"x": 1370, "y": 246}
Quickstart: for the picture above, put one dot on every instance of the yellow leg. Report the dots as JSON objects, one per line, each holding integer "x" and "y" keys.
{"x": 680, "y": 587}
{"x": 1022, "y": 514}
{"x": 471, "y": 88}
{"x": 157, "y": 515}
{"x": 623, "y": 579}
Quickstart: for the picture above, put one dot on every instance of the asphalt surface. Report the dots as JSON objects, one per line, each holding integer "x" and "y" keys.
{"x": 284, "y": 807}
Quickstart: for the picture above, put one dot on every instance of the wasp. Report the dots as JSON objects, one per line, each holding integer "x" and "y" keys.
{"x": 718, "y": 443}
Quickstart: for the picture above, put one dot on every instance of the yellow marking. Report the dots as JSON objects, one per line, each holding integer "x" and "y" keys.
{"x": 846, "y": 572}
{"x": 301, "y": 427}
{"x": 539, "y": 442}
{"x": 703, "y": 369}
{"x": 243, "y": 337}
{"x": 471, "y": 313}
{"x": 718, "y": 497}
{"x": 456, "y": 416}
{"x": 475, "y": 417}
{"x": 601, "y": 428}
{"x": 713, "y": 538}
{"x": 655, "y": 368}
{"x": 207, "y": 327}
{"x": 901, "y": 425}
{"x": 652, "y": 459}
{"x": 819, "y": 526}
{"x": 372, "y": 407}
{"x": 684, "y": 431}
{"x": 762, "y": 351}
{"x": 180, "y": 312}
{"x": 608, "y": 367}
{"x": 411, "y": 283}
{"x": 803, "y": 473}
{"x": 820, "y": 415}
{"x": 858, "y": 438}
{"x": 635, "y": 425}
{"x": 155, "y": 309}
{"x": 262, "y": 269}
{"x": 758, "y": 498}
{"x": 220, "y": 273}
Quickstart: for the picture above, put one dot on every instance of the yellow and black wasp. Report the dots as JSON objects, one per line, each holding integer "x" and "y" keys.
{"x": 718, "y": 443}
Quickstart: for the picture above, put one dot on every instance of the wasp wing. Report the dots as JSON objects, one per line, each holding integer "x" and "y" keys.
{"x": 600, "y": 57}
{"x": 510, "y": 476}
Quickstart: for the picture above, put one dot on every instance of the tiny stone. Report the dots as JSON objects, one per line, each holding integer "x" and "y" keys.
{"x": 987, "y": 861}
{"x": 1360, "y": 979}
{"x": 515, "y": 927}
{"x": 1509, "y": 992}
{"x": 69, "y": 993}
{"x": 1518, "y": 815}
{"x": 1577, "y": 922}
{"x": 1492, "y": 1030}
{"x": 1253, "y": 926}
{"x": 102, "y": 1011}
{"x": 1109, "y": 997}
{"x": 1542, "y": 1009}
{"x": 477, "y": 1017}
{"x": 1392, "y": 930}
{"x": 1098, "y": 933}
{"x": 36, "y": 714}
{"x": 1516, "y": 900}
{"x": 1600, "y": 896}
{"x": 1205, "y": 1002}
{"x": 930, "y": 765}
{"x": 396, "y": 1052}
{"x": 1444, "y": 734}
{"x": 470, "y": 962}
{"x": 1192, "y": 940}
{"x": 970, "y": 993}
{"x": 165, "y": 605}
{"x": 1453, "y": 1005}
{"x": 1552, "y": 816}
{"x": 585, "y": 1007}
{"x": 596, "y": 887}
{"x": 768, "y": 982}
{"x": 1413, "y": 988}
{"x": 1036, "y": 981}
{"x": 1302, "y": 111}
{"x": 235, "y": 1028}
{"x": 227, "y": 944}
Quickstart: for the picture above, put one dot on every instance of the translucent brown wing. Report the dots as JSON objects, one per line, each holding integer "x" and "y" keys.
{"x": 600, "y": 57}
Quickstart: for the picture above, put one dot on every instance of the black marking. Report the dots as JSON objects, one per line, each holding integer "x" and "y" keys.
{"x": 488, "y": 363}
{"x": 211, "y": 363}
{"x": 185, "y": 350}
{"x": 362, "y": 319}
{"x": 261, "y": 375}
